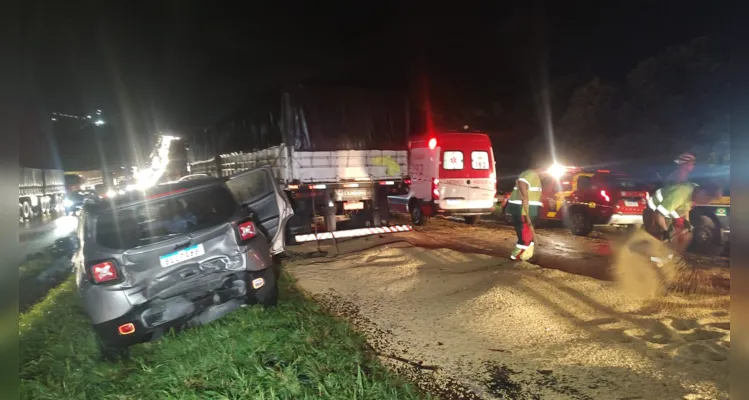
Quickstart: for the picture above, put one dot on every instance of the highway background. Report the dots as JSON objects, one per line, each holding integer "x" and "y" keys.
{"x": 36, "y": 235}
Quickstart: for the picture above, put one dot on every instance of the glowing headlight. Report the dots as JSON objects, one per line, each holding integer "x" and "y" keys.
{"x": 111, "y": 193}
{"x": 67, "y": 203}
{"x": 121, "y": 192}
{"x": 556, "y": 170}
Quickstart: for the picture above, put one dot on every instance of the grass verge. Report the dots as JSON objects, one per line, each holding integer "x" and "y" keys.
{"x": 35, "y": 265}
{"x": 295, "y": 351}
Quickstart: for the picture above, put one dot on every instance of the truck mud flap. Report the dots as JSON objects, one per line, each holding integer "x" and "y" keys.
{"x": 353, "y": 233}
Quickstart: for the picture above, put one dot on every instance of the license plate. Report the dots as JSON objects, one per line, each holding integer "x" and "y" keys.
{"x": 630, "y": 203}
{"x": 182, "y": 255}
{"x": 357, "y": 205}
{"x": 453, "y": 202}
{"x": 356, "y": 194}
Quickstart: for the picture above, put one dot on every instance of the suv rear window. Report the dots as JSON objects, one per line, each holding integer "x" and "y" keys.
{"x": 452, "y": 160}
{"x": 161, "y": 219}
{"x": 623, "y": 183}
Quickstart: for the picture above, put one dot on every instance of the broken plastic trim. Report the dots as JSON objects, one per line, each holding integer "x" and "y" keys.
{"x": 353, "y": 233}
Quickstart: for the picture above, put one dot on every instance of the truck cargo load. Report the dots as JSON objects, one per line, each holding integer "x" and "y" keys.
{"x": 338, "y": 152}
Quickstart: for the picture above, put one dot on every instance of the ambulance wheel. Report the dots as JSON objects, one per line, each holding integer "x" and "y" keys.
{"x": 472, "y": 219}
{"x": 579, "y": 223}
{"x": 417, "y": 215}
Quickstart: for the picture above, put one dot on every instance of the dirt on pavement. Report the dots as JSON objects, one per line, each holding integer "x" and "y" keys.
{"x": 476, "y": 325}
{"x": 593, "y": 256}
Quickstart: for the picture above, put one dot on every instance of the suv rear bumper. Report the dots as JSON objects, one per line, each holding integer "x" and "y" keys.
{"x": 157, "y": 317}
{"x": 626, "y": 219}
{"x": 464, "y": 211}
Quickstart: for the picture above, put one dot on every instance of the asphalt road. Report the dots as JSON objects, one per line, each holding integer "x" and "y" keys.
{"x": 34, "y": 236}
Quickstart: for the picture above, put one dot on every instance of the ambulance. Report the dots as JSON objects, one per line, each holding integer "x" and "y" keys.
{"x": 449, "y": 174}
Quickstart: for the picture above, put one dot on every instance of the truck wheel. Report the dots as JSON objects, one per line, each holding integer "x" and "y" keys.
{"x": 579, "y": 223}
{"x": 706, "y": 236}
{"x": 26, "y": 210}
{"x": 330, "y": 222}
{"x": 377, "y": 218}
{"x": 417, "y": 216}
{"x": 381, "y": 213}
{"x": 472, "y": 219}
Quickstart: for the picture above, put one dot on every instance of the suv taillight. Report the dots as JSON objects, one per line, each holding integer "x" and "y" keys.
{"x": 246, "y": 230}
{"x": 103, "y": 272}
{"x": 435, "y": 189}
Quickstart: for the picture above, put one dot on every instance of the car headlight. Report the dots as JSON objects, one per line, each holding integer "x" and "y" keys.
{"x": 67, "y": 203}
{"x": 111, "y": 193}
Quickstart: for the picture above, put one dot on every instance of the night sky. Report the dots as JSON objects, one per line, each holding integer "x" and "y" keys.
{"x": 176, "y": 66}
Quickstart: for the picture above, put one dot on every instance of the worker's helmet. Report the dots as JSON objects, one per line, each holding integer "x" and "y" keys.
{"x": 686, "y": 158}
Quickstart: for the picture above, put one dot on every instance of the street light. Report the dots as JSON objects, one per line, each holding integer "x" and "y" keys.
{"x": 99, "y": 122}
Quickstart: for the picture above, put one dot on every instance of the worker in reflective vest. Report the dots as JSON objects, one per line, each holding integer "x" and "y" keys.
{"x": 685, "y": 163}
{"x": 670, "y": 204}
{"x": 523, "y": 207}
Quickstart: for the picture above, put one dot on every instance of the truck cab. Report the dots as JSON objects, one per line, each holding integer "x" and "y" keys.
{"x": 583, "y": 198}
{"x": 449, "y": 174}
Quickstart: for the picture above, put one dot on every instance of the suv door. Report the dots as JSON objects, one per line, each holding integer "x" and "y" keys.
{"x": 257, "y": 190}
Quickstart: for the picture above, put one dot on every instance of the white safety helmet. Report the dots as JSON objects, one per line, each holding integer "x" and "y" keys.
{"x": 686, "y": 158}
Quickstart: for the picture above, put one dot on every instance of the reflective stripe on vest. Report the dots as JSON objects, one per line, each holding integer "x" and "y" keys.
{"x": 530, "y": 188}
{"x": 530, "y": 202}
{"x": 660, "y": 208}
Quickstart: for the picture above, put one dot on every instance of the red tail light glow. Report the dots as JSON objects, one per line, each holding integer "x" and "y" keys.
{"x": 104, "y": 272}
{"x": 435, "y": 189}
{"x": 126, "y": 329}
{"x": 432, "y": 143}
{"x": 246, "y": 230}
{"x": 605, "y": 195}
{"x": 407, "y": 181}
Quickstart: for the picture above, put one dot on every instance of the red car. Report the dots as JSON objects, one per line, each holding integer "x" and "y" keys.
{"x": 583, "y": 198}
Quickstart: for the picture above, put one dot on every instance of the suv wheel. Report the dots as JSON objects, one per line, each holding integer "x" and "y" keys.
{"x": 579, "y": 223}
{"x": 267, "y": 295}
{"x": 705, "y": 235}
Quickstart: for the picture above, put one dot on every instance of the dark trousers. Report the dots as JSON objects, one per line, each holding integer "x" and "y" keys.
{"x": 521, "y": 223}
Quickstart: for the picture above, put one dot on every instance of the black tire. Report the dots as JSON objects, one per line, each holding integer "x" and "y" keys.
{"x": 580, "y": 223}
{"x": 112, "y": 352}
{"x": 330, "y": 222}
{"x": 267, "y": 295}
{"x": 26, "y": 211}
{"x": 706, "y": 236}
{"x": 472, "y": 219}
{"x": 417, "y": 216}
{"x": 381, "y": 213}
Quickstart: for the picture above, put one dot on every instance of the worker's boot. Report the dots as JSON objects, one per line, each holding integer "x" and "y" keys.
{"x": 661, "y": 261}
{"x": 516, "y": 253}
{"x": 523, "y": 253}
{"x": 528, "y": 253}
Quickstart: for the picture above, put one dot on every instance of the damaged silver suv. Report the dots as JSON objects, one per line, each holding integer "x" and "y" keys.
{"x": 179, "y": 255}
